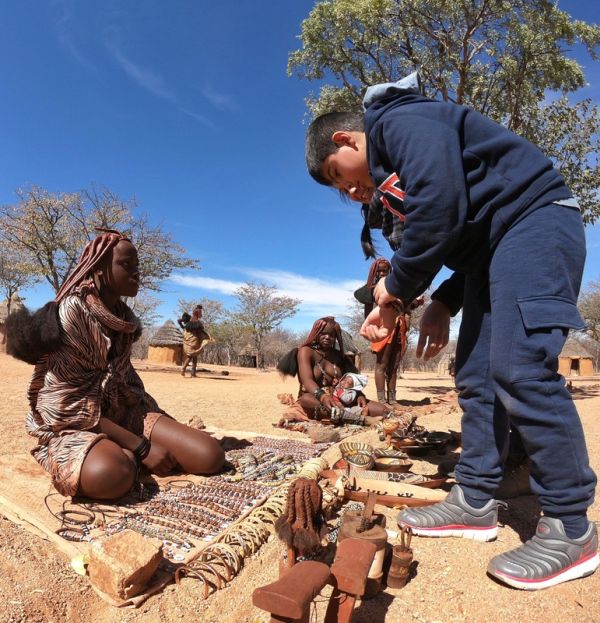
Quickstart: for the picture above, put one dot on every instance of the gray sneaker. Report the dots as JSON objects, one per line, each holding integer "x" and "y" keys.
{"x": 548, "y": 558}
{"x": 453, "y": 517}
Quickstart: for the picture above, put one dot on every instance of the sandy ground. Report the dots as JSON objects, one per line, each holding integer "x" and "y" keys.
{"x": 38, "y": 585}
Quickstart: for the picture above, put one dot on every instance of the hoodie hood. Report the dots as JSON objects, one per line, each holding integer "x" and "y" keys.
{"x": 410, "y": 84}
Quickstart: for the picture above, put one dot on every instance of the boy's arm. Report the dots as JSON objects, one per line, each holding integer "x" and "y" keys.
{"x": 427, "y": 155}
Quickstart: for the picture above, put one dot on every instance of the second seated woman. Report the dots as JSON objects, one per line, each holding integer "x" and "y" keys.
{"x": 320, "y": 365}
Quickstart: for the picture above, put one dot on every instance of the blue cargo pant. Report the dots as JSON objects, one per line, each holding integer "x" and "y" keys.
{"x": 515, "y": 322}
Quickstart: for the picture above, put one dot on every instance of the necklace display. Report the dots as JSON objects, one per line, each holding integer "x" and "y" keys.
{"x": 270, "y": 460}
{"x": 181, "y": 516}
{"x": 300, "y": 450}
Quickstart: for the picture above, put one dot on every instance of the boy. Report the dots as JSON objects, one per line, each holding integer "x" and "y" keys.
{"x": 487, "y": 204}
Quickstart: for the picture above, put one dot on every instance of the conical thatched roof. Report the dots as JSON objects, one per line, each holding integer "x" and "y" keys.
{"x": 575, "y": 349}
{"x": 349, "y": 345}
{"x": 15, "y": 304}
{"x": 168, "y": 335}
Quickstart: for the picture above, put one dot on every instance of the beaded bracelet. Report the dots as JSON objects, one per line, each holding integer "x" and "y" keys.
{"x": 318, "y": 393}
{"x": 142, "y": 450}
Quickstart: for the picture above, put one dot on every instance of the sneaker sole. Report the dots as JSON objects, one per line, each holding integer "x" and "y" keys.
{"x": 483, "y": 534}
{"x": 575, "y": 571}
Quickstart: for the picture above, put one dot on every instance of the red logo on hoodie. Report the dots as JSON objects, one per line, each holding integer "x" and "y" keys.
{"x": 395, "y": 194}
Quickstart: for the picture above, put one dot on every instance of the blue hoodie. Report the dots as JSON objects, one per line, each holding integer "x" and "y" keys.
{"x": 463, "y": 180}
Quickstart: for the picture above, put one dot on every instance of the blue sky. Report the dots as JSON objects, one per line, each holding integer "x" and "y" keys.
{"x": 187, "y": 106}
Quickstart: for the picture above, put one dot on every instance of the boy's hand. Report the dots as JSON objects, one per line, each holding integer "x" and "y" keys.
{"x": 434, "y": 331}
{"x": 379, "y": 323}
{"x": 381, "y": 295}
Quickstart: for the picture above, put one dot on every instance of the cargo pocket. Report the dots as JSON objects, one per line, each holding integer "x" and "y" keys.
{"x": 538, "y": 341}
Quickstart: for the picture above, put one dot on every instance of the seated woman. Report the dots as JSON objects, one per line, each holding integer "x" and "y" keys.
{"x": 195, "y": 338}
{"x": 320, "y": 366}
{"x": 93, "y": 422}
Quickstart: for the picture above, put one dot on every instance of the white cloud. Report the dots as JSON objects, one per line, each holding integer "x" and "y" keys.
{"x": 66, "y": 31}
{"x": 153, "y": 82}
{"x": 201, "y": 118}
{"x": 219, "y": 100}
{"x": 318, "y": 297}
{"x": 207, "y": 283}
{"x": 144, "y": 77}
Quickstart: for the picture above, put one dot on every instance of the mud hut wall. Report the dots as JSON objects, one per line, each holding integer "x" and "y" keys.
{"x": 575, "y": 366}
{"x": 166, "y": 354}
{"x": 586, "y": 367}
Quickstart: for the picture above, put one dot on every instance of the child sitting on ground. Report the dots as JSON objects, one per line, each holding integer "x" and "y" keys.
{"x": 93, "y": 422}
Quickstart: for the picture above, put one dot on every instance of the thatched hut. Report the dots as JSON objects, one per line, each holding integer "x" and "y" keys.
{"x": 248, "y": 357}
{"x": 351, "y": 350}
{"x": 166, "y": 345}
{"x": 14, "y": 305}
{"x": 575, "y": 359}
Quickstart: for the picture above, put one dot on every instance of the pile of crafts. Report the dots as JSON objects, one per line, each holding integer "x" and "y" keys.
{"x": 331, "y": 542}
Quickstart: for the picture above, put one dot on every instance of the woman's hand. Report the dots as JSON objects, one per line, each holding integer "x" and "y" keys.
{"x": 361, "y": 401}
{"x": 326, "y": 401}
{"x": 379, "y": 323}
{"x": 159, "y": 460}
{"x": 434, "y": 331}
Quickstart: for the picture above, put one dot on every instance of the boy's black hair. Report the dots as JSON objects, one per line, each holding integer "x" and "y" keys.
{"x": 318, "y": 139}
{"x": 366, "y": 241}
{"x": 30, "y": 337}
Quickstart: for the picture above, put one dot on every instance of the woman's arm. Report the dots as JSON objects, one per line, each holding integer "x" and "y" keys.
{"x": 121, "y": 436}
{"x": 158, "y": 460}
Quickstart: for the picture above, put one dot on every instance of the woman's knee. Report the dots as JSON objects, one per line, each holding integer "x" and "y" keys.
{"x": 195, "y": 451}
{"x": 204, "y": 455}
{"x": 106, "y": 472}
{"x": 213, "y": 457}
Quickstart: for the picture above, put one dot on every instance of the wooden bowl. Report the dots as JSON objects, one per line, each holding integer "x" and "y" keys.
{"x": 392, "y": 464}
{"x": 436, "y": 437}
{"x": 415, "y": 449}
{"x": 401, "y": 442}
{"x": 359, "y": 459}
{"x": 388, "y": 452}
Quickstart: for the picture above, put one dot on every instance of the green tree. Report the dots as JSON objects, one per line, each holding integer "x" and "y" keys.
{"x": 229, "y": 337}
{"x": 15, "y": 275}
{"x": 212, "y": 311}
{"x": 49, "y": 230}
{"x": 501, "y": 57}
{"x": 589, "y": 308}
{"x": 261, "y": 311}
{"x": 277, "y": 343}
{"x": 145, "y": 307}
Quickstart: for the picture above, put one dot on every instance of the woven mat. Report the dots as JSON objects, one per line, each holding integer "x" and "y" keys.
{"x": 25, "y": 487}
